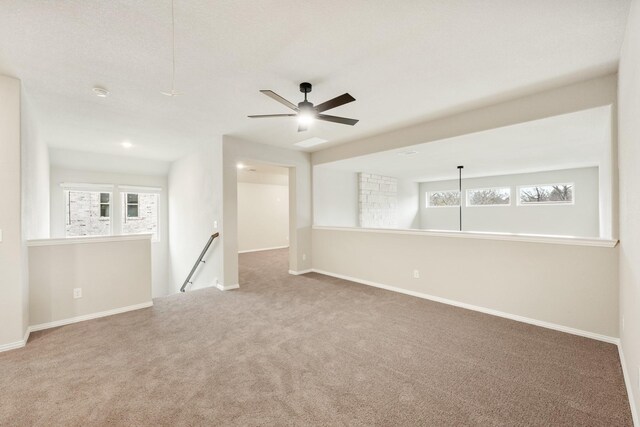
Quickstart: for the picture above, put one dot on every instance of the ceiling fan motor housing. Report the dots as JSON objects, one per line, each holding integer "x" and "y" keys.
{"x": 305, "y": 87}
{"x": 305, "y": 105}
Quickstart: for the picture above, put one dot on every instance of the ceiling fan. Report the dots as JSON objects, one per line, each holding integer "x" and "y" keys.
{"x": 305, "y": 110}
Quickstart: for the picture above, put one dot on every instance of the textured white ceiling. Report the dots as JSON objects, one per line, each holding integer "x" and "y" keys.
{"x": 568, "y": 141}
{"x": 403, "y": 61}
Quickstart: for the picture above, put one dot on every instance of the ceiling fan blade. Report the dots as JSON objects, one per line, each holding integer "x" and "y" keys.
{"x": 334, "y": 119}
{"x": 302, "y": 128}
{"x": 281, "y": 100}
{"x": 335, "y": 102}
{"x": 262, "y": 116}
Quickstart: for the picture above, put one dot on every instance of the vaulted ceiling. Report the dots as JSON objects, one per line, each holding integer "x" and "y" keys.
{"x": 403, "y": 61}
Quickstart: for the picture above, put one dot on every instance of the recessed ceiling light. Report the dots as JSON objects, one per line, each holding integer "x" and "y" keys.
{"x": 126, "y": 144}
{"x": 240, "y": 166}
{"x": 407, "y": 153}
{"x": 101, "y": 92}
{"x": 310, "y": 142}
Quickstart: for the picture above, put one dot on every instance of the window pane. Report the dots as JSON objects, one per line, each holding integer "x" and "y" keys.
{"x": 104, "y": 197}
{"x": 141, "y": 217}
{"x": 132, "y": 211}
{"x": 84, "y": 214}
{"x": 489, "y": 196}
{"x": 444, "y": 198}
{"x": 550, "y": 194}
{"x": 132, "y": 198}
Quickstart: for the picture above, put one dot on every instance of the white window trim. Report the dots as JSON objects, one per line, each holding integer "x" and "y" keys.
{"x": 138, "y": 189}
{"x": 571, "y": 203}
{"x": 74, "y": 186}
{"x": 469, "y": 205}
{"x": 428, "y": 198}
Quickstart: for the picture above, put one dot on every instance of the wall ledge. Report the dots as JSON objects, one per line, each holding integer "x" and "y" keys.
{"x": 87, "y": 239}
{"x": 530, "y": 238}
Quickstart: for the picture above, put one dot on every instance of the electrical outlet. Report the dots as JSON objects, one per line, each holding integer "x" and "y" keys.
{"x": 215, "y": 224}
{"x": 77, "y": 292}
{"x": 416, "y": 274}
{"x": 304, "y": 257}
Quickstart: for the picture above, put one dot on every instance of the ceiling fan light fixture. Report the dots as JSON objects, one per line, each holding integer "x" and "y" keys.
{"x": 305, "y": 118}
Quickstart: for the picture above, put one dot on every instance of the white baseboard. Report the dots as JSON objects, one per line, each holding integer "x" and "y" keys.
{"x": 297, "y": 273}
{"x": 16, "y": 344}
{"x": 262, "y": 249}
{"x": 77, "y": 319}
{"x": 516, "y": 317}
{"x": 227, "y": 287}
{"x": 627, "y": 381}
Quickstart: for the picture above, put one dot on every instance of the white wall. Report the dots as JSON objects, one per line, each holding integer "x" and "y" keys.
{"x": 408, "y": 204}
{"x": 263, "y": 216}
{"x": 579, "y": 219}
{"x": 35, "y": 177}
{"x": 160, "y": 249}
{"x": 195, "y": 206}
{"x": 567, "y": 285}
{"x": 113, "y": 275}
{"x": 13, "y": 306}
{"x": 629, "y": 159}
{"x": 335, "y": 199}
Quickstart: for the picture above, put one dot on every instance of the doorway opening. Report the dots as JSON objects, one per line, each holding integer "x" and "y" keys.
{"x": 263, "y": 207}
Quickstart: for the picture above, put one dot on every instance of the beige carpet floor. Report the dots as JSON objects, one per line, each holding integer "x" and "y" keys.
{"x": 311, "y": 350}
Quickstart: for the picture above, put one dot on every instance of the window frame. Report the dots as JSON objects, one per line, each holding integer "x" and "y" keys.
{"x": 127, "y": 204}
{"x": 469, "y": 205}
{"x": 428, "y": 199}
{"x": 108, "y": 204}
{"x": 123, "y": 190}
{"x": 551, "y": 203}
{"x": 87, "y": 188}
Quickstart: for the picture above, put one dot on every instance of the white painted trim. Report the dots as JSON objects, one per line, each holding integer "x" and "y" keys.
{"x": 88, "y": 239}
{"x": 85, "y": 187}
{"x": 82, "y": 318}
{"x": 263, "y": 249}
{"x": 16, "y": 344}
{"x": 548, "y": 325}
{"x": 12, "y": 345}
{"x": 298, "y": 273}
{"x": 139, "y": 189}
{"x": 627, "y": 381}
{"x": 529, "y": 238}
{"x": 227, "y": 287}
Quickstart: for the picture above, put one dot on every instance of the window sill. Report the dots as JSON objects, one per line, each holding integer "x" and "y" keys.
{"x": 531, "y": 238}
{"x": 87, "y": 239}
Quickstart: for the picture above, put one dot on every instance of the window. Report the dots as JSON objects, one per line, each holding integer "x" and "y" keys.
{"x": 549, "y": 194}
{"x": 140, "y": 213}
{"x": 104, "y": 205}
{"x": 88, "y": 213}
{"x": 132, "y": 205}
{"x": 443, "y": 198}
{"x": 500, "y": 196}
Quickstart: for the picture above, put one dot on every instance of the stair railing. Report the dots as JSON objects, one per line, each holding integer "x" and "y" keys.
{"x": 199, "y": 261}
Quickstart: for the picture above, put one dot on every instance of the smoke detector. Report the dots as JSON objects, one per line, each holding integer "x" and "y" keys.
{"x": 100, "y": 92}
